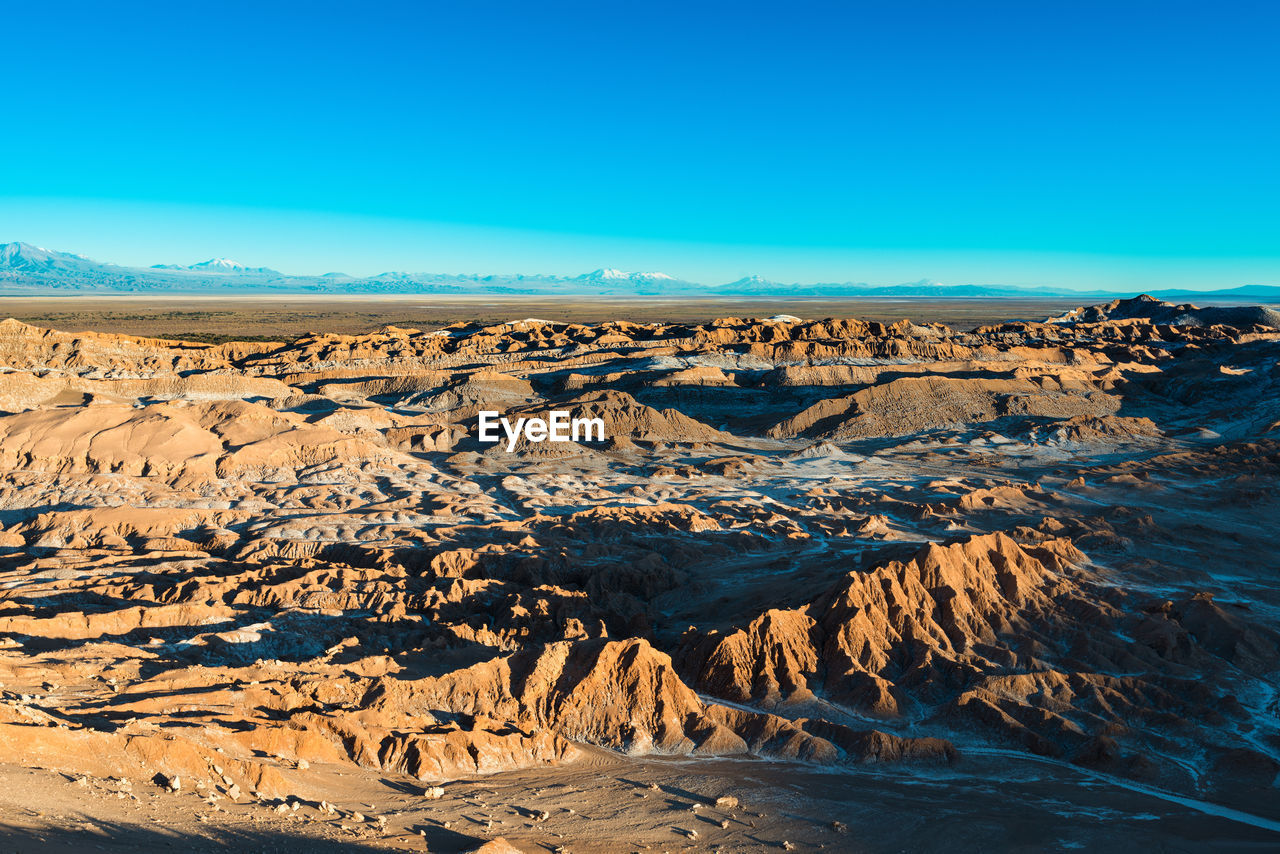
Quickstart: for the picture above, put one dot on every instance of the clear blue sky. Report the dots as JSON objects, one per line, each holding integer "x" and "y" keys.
{"x": 1067, "y": 143}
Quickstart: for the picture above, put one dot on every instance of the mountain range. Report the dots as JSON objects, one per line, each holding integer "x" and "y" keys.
{"x": 32, "y": 271}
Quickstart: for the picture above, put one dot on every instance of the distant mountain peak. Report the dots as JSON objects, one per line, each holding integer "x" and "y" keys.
{"x": 613, "y": 274}
{"x": 218, "y": 265}
{"x": 25, "y": 257}
{"x": 18, "y": 249}
{"x": 226, "y": 265}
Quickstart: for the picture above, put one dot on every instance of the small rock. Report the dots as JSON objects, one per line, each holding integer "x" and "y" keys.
{"x": 164, "y": 781}
{"x": 433, "y": 793}
{"x": 727, "y": 802}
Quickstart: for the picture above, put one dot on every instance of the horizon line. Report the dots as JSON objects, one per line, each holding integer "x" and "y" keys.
{"x": 604, "y": 273}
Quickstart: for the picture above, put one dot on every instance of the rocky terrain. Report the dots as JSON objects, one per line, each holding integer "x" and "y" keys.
{"x": 826, "y": 584}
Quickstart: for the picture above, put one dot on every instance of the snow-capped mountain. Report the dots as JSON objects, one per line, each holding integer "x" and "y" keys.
{"x": 222, "y": 265}
{"x": 609, "y": 280}
{"x": 609, "y": 274}
{"x": 26, "y": 258}
{"x": 25, "y": 269}
{"x": 219, "y": 265}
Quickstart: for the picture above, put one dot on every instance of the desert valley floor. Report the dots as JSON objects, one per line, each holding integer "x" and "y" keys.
{"x": 835, "y": 585}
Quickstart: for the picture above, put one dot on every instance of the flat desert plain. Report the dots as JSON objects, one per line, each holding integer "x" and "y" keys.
{"x": 217, "y": 319}
{"x": 826, "y": 584}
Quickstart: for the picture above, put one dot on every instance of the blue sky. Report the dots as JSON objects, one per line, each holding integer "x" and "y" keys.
{"x": 1074, "y": 143}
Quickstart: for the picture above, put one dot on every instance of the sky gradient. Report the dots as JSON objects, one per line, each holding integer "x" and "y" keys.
{"x": 1128, "y": 144}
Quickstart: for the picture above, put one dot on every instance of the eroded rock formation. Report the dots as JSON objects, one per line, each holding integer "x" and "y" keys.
{"x": 830, "y": 541}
